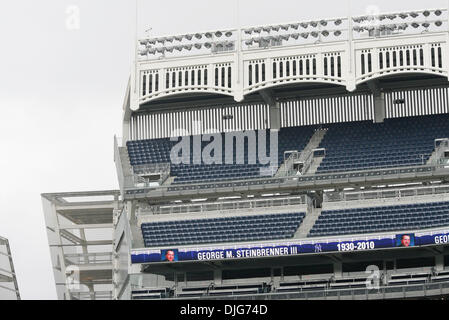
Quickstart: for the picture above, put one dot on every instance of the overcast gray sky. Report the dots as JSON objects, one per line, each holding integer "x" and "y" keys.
{"x": 61, "y": 93}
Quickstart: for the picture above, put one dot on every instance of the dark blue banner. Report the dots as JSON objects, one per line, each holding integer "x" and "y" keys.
{"x": 286, "y": 249}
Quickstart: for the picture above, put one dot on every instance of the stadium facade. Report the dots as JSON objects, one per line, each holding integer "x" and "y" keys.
{"x": 9, "y": 290}
{"x": 305, "y": 160}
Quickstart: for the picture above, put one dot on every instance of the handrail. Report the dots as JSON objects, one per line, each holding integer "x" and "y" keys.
{"x": 86, "y": 295}
{"x": 227, "y": 205}
{"x": 386, "y": 291}
{"x": 441, "y": 146}
{"x": 89, "y": 258}
{"x": 306, "y": 156}
{"x": 151, "y": 168}
{"x": 386, "y": 194}
{"x": 316, "y": 178}
{"x": 161, "y": 169}
{"x": 288, "y": 162}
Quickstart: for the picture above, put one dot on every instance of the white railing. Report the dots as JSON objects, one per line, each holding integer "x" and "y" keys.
{"x": 161, "y": 171}
{"x": 351, "y": 286}
{"x": 323, "y": 178}
{"x": 386, "y": 194}
{"x": 226, "y": 206}
{"x": 288, "y": 163}
{"x": 441, "y": 148}
{"x": 305, "y": 157}
{"x": 89, "y": 258}
{"x": 96, "y": 295}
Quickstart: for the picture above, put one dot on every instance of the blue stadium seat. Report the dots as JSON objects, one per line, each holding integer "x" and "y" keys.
{"x": 349, "y": 146}
{"x": 393, "y": 143}
{"x": 230, "y": 229}
{"x": 381, "y": 219}
{"x": 158, "y": 151}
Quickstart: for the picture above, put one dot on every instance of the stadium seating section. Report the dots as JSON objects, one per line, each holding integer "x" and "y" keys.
{"x": 158, "y": 151}
{"x": 349, "y": 146}
{"x": 394, "y": 143}
{"x": 401, "y": 281}
{"x": 380, "y": 219}
{"x": 220, "y": 230}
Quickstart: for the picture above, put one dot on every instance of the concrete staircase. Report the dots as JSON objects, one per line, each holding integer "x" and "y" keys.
{"x": 309, "y": 221}
{"x": 169, "y": 181}
{"x": 316, "y": 139}
{"x": 433, "y": 158}
{"x": 281, "y": 171}
{"x": 315, "y": 165}
{"x": 438, "y": 153}
{"x": 305, "y": 156}
{"x": 314, "y": 143}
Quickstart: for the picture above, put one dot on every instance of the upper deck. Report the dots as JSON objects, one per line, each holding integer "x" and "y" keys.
{"x": 341, "y": 52}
